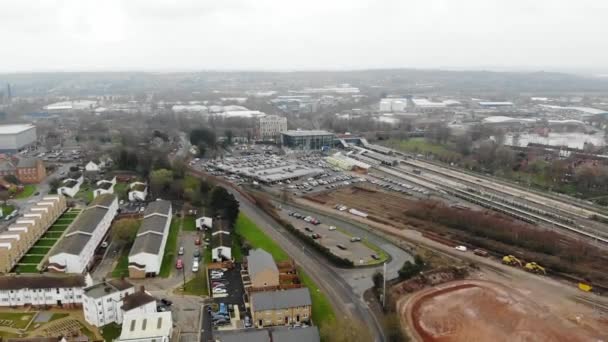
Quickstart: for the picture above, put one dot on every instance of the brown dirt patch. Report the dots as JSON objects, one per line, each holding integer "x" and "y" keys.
{"x": 484, "y": 311}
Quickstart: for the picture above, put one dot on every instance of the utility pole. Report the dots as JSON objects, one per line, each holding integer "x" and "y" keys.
{"x": 384, "y": 286}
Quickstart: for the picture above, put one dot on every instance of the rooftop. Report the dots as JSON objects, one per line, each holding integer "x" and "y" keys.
{"x": 106, "y": 288}
{"x": 260, "y": 260}
{"x": 273, "y": 300}
{"x": 137, "y": 326}
{"x": 42, "y": 281}
{"x": 27, "y": 162}
{"x": 284, "y": 334}
{"x": 221, "y": 240}
{"x": 241, "y": 336}
{"x": 158, "y": 207}
{"x": 136, "y": 300}
{"x": 15, "y": 128}
{"x": 300, "y": 133}
{"x": 104, "y": 200}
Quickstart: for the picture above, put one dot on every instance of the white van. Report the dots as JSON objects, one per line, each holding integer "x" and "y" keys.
{"x": 195, "y": 266}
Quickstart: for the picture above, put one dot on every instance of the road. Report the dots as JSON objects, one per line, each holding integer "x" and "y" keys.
{"x": 335, "y": 287}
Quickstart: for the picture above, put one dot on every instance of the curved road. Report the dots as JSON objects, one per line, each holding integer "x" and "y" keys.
{"x": 338, "y": 291}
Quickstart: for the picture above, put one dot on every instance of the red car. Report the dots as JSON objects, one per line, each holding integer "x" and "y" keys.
{"x": 179, "y": 264}
{"x": 197, "y": 241}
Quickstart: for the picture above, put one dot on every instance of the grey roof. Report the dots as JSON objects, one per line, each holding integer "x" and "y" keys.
{"x": 40, "y": 281}
{"x": 106, "y": 288}
{"x": 221, "y": 240}
{"x": 147, "y": 243}
{"x": 73, "y": 244}
{"x": 309, "y": 334}
{"x": 241, "y": 336}
{"x": 158, "y": 207}
{"x": 283, "y": 299}
{"x": 88, "y": 220}
{"x": 105, "y": 185}
{"x": 154, "y": 223}
{"x": 104, "y": 200}
{"x": 260, "y": 260}
{"x": 27, "y": 162}
{"x": 305, "y": 133}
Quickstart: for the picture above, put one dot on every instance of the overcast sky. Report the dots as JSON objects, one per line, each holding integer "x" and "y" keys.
{"x": 92, "y": 35}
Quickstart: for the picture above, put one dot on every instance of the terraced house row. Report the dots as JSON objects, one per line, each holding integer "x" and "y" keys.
{"x": 23, "y": 234}
{"x": 75, "y": 251}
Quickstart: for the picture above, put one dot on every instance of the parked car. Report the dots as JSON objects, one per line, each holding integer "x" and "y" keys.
{"x": 355, "y": 239}
{"x": 179, "y": 264}
{"x": 181, "y": 250}
{"x": 197, "y": 241}
{"x": 197, "y": 254}
{"x": 166, "y": 302}
{"x": 332, "y": 227}
{"x": 195, "y": 266}
{"x": 461, "y": 248}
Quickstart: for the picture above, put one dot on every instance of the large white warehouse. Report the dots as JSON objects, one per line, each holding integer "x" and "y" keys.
{"x": 14, "y": 138}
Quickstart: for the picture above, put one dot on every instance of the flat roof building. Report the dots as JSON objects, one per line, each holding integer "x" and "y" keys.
{"x": 307, "y": 140}
{"x": 16, "y": 137}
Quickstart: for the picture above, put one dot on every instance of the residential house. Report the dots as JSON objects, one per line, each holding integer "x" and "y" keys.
{"x": 105, "y": 186}
{"x": 221, "y": 241}
{"x": 203, "y": 223}
{"x": 281, "y": 307}
{"x": 146, "y": 255}
{"x": 20, "y": 236}
{"x": 75, "y": 251}
{"x": 102, "y": 302}
{"x": 94, "y": 166}
{"x": 263, "y": 271}
{"x": 43, "y": 289}
{"x": 138, "y": 191}
{"x": 307, "y": 334}
{"x": 274, "y": 334}
{"x": 152, "y": 327}
{"x": 71, "y": 186}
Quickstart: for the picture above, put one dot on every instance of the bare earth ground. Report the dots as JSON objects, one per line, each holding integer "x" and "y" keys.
{"x": 473, "y": 310}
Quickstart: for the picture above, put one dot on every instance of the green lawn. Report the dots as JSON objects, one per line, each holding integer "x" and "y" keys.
{"x": 237, "y": 250}
{"x": 7, "y": 209}
{"x": 31, "y": 259}
{"x": 45, "y": 243}
{"x": 250, "y": 232}
{"x": 52, "y": 235}
{"x": 28, "y": 190}
{"x": 26, "y": 269}
{"x": 39, "y": 250}
{"x": 198, "y": 285}
{"x": 64, "y": 221}
{"x": 122, "y": 267}
{"x": 322, "y": 312}
{"x": 170, "y": 248}
{"x": 58, "y": 315}
{"x": 121, "y": 190}
{"x": 85, "y": 193}
{"x": 189, "y": 224}
{"x": 110, "y": 332}
{"x": 20, "y": 319}
{"x": 56, "y": 228}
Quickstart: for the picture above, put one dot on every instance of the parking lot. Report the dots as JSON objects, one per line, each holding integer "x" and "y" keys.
{"x": 338, "y": 241}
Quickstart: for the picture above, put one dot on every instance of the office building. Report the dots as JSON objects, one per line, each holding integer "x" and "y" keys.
{"x": 269, "y": 128}
{"x": 307, "y": 140}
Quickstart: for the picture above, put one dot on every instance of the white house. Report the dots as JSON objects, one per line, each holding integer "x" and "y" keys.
{"x": 76, "y": 249}
{"x": 221, "y": 242}
{"x": 148, "y": 249}
{"x": 138, "y": 192}
{"x": 109, "y": 301}
{"x": 43, "y": 289}
{"x": 102, "y": 302}
{"x": 70, "y": 186}
{"x": 204, "y": 223}
{"x": 153, "y": 327}
{"x": 105, "y": 186}
{"x": 93, "y": 166}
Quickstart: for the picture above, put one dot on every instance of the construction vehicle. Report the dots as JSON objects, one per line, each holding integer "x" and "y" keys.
{"x": 511, "y": 261}
{"x": 535, "y": 268}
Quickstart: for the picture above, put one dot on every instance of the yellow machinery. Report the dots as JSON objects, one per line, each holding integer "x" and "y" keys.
{"x": 535, "y": 268}
{"x": 511, "y": 260}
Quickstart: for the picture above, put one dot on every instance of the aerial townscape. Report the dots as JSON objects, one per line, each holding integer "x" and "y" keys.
{"x": 193, "y": 174}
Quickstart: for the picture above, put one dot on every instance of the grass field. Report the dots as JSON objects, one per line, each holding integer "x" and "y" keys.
{"x": 197, "y": 286}
{"x": 64, "y": 221}
{"x": 189, "y": 224}
{"x": 28, "y": 190}
{"x": 53, "y": 235}
{"x": 45, "y": 243}
{"x": 58, "y": 228}
{"x": 110, "y": 332}
{"x": 7, "y": 209}
{"x": 122, "y": 267}
{"x": 121, "y": 190}
{"x": 20, "y": 319}
{"x": 26, "y": 269}
{"x": 31, "y": 259}
{"x": 85, "y": 193}
{"x": 170, "y": 248}
{"x": 322, "y": 312}
{"x": 237, "y": 250}
{"x": 250, "y": 232}
{"x": 39, "y": 250}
